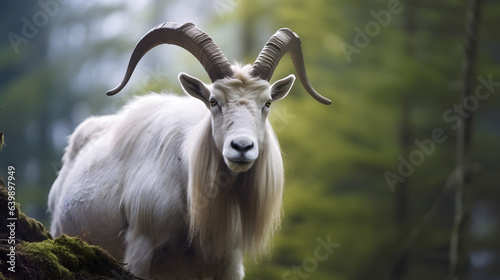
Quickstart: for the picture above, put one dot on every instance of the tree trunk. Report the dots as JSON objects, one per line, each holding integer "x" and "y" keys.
{"x": 459, "y": 251}
{"x": 402, "y": 193}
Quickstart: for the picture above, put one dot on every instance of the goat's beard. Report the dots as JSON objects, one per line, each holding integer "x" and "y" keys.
{"x": 229, "y": 207}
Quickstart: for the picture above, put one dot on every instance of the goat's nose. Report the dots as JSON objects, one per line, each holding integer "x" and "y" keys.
{"x": 242, "y": 144}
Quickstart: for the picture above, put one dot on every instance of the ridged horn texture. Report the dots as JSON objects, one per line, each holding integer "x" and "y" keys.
{"x": 186, "y": 36}
{"x": 283, "y": 41}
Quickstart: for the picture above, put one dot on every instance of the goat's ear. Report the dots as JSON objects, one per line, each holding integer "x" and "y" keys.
{"x": 281, "y": 87}
{"x": 194, "y": 87}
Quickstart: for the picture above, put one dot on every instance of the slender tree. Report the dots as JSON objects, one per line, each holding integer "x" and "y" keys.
{"x": 459, "y": 255}
{"x": 402, "y": 193}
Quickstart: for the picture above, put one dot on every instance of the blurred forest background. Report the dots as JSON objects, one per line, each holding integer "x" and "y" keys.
{"x": 372, "y": 173}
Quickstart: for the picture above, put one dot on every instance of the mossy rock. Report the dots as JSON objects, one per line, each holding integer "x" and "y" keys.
{"x": 70, "y": 258}
{"x": 38, "y": 256}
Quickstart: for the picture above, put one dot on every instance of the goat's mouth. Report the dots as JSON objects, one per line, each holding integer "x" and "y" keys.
{"x": 239, "y": 164}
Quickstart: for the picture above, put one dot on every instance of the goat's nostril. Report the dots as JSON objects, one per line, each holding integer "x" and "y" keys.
{"x": 241, "y": 146}
{"x": 247, "y": 147}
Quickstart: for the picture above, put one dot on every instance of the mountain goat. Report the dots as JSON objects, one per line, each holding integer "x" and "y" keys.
{"x": 174, "y": 187}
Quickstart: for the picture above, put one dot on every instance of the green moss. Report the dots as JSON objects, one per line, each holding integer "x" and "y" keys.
{"x": 69, "y": 257}
{"x": 47, "y": 256}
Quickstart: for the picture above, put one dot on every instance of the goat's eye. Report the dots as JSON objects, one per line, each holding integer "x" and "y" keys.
{"x": 268, "y": 104}
{"x": 213, "y": 102}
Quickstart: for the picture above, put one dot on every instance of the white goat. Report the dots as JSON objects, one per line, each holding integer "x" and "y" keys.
{"x": 174, "y": 190}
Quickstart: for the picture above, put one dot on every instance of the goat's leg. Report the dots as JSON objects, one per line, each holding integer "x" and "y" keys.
{"x": 138, "y": 255}
{"x": 232, "y": 268}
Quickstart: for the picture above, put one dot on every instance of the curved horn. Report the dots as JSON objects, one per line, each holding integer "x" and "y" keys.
{"x": 283, "y": 41}
{"x": 186, "y": 36}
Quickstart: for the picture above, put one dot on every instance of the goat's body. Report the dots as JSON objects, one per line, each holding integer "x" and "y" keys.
{"x": 113, "y": 199}
{"x": 124, "y": 186}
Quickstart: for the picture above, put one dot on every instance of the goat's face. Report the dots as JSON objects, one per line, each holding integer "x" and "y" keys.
{"x": 238, "y": 98}
{"x": 239, "y": 107}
